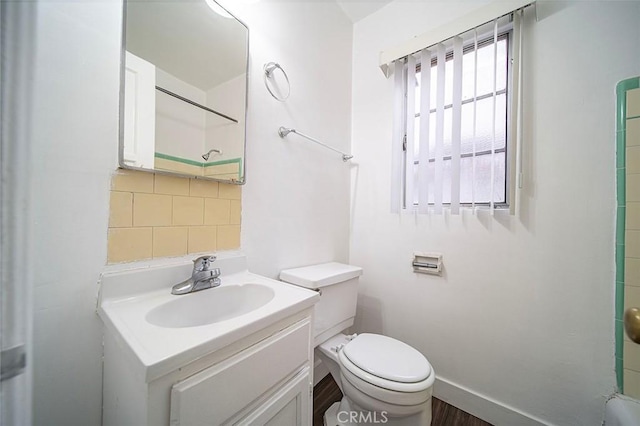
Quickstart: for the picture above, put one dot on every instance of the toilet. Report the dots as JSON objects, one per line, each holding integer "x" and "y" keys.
{"x": 383, "y": 380}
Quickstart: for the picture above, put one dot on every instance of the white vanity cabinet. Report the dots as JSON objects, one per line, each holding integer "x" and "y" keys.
{"x": 262, "y": 379}
{"x": 222, "y": 356}
{"x": 223, "y": 393}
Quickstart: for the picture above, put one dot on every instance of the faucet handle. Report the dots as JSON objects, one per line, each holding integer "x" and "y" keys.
{"x": 203, "y": 263}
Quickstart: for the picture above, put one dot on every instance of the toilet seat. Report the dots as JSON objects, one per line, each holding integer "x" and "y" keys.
{"x": 386, "y": 363}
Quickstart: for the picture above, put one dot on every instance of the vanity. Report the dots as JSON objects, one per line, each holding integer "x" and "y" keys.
{"x": 240, "y": 353}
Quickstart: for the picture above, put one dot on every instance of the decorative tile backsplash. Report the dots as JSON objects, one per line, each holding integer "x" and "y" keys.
{"x": 154, "y": 215}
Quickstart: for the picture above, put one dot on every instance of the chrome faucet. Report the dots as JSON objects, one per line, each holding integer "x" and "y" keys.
{"x": 202, "y": 277}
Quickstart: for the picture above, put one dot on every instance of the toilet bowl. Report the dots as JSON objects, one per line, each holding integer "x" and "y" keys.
{"x": 383, "y": 380}
{"x": 380, "y": 374}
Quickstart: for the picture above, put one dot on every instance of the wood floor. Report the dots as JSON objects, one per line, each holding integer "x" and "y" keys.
{"x": 327, "y": 392}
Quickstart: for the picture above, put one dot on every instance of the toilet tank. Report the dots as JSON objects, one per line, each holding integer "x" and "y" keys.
{"x": 337, "y": 284}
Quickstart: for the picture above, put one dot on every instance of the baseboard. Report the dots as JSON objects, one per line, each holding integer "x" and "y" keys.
{"x": 482, "y": 406}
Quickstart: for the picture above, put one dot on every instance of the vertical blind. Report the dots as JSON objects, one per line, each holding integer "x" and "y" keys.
{"x": 469, "y": 90}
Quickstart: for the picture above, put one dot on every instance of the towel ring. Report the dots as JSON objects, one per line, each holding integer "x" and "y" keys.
{"x": 269, "y": 69}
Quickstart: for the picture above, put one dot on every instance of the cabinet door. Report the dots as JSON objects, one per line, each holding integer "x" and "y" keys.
{"x": 221, "y": 392}
{"x": 139, "y": 112}
{"x": 289, "y": 406}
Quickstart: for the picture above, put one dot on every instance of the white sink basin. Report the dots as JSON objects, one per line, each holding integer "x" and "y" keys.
{"x": 210, "y": 306}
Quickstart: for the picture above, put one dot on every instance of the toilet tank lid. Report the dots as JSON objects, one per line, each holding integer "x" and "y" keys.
{"x": 322, "y": 275}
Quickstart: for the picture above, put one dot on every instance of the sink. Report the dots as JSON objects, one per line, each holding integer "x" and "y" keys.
{"x": 210, "y": 306}
{"x": 164, "y": 331}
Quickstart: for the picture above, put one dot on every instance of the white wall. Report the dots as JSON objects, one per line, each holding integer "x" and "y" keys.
{"x": 74, "y": 131}
{"x": 228, "y": 98}
{"x": 524, "y": 313}
{"x": 295, "y": 204}
{"x": 180, "y": 127}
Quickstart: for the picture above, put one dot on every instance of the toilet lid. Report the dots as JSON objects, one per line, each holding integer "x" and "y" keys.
{"x": 387, "y": 358}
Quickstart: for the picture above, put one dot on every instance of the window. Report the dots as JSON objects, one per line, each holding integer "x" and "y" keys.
{"x": 456, "y": 121}
{"x": 476, "y": 129}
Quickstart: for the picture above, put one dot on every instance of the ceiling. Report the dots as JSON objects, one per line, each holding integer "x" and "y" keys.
{"x": 188, "y": 40}
{"x": 359, "y": 9}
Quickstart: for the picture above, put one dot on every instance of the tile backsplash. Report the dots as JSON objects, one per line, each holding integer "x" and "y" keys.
{"x": 154, "y": 215}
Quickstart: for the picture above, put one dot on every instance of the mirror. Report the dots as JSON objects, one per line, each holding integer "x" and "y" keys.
{"x": 184, "y": 89}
